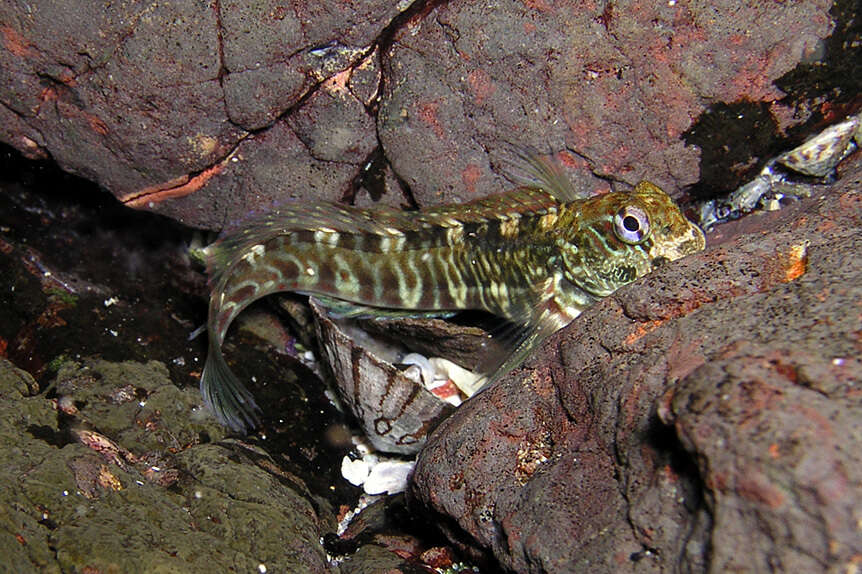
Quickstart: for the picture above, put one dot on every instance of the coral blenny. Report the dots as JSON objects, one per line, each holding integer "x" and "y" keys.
{"x": 536, "y": 257}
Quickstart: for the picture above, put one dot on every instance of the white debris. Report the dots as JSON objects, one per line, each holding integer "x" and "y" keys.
{"x": 354, "y": 471}
{"x": 467, "y": 381}
{"x": 375, "y": 473}
{"x": 426, "y": 370}
{"x": 389, "y": 477}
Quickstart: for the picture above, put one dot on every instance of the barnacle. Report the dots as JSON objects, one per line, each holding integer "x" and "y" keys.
{"x": 816, "y": 158}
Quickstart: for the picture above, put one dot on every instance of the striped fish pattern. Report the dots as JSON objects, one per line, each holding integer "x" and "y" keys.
{"x": 536, "y": 256}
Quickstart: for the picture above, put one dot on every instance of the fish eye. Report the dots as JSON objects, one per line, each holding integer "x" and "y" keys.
{"x": 631, "y": 224}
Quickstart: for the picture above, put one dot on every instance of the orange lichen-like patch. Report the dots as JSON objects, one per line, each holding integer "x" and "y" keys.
{"x": 97, "y": 124}
{"x": 787, "y": 265}
{"x": 788, "y": 371}
{"x": 757, "y": 488}
{"x": 797, "y": 262}
{"x": 108, "y": 480}
{"x": 717, "y": 481}
{"x": 538, "y": 5}
{"x": 14, "y": 42}
{"x": 642, "y": 329}
{"x": 337, "y": 83}
{"x": 669, "y": 474}
{"x": 178, "y": 187}
{"x": 774, "y": 451}
{"x": 541, "y": 382}
{"x": 438, "y": 557}
{"x": 446, "y": 390}
{"x": 481, "y": 85}
{"x": 428, "y": 115}
{"x": 571, "y": 160}
{"x": 49, "y": 94}
{"x": 50, "y": 316}
{"x": 470, "y": 176}
{"x": 736, "y": 39}
{"x": 342, "y": 512}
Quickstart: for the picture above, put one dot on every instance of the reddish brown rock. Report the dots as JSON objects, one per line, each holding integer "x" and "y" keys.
{"x": 208, "y": 112}
{"x": 703, "y": 418}
{"x": 615, "y": 84}
{"x": 164, "y": 105}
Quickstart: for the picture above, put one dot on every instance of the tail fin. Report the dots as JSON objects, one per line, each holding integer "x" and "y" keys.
{"x": 227, "y": 398}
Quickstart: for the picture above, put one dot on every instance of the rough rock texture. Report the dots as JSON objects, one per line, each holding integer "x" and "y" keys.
{"x": 139, "y": 493}
{"x": 207, "y": 111}
{"x": 705, "y": 418}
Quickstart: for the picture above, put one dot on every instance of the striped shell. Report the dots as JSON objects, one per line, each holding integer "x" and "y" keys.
{"x": 395, "y": 412}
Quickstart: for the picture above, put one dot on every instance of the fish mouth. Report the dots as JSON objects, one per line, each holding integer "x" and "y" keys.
{"x": 689, "y": 243}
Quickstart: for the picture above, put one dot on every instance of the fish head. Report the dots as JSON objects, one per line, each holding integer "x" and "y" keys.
{"x": 618, "y": 237}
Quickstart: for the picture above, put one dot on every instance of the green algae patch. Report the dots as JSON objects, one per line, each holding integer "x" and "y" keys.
{"x": 262, "y": 514}
{"x": 370, "y": 559}
{"x": 136, "y": 404}
{"x": 31, "y": 478}
{"x": 115, "y": 474}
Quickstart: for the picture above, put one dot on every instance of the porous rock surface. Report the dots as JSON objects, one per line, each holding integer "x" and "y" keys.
{"x": 209, "y": 111}
{"x": 705, "y": 418}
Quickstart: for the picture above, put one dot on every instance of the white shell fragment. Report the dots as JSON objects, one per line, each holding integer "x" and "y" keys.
{"x": 388, "y": 477}
{"x": 355, "y": 471}
{"x": 423, "y": 366}
{"x": 374, "y": 472}
{"x": 467, "y": 381}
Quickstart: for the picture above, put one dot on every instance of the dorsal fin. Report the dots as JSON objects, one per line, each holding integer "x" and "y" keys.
{"x": 525, "y": 200}
{"x": 528, "y": 168}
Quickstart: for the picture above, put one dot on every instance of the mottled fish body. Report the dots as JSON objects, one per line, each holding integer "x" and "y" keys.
{"x": 536, "y": 256}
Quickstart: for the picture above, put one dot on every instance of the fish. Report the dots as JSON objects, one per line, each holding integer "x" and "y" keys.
{"x": 535, "y": 256}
